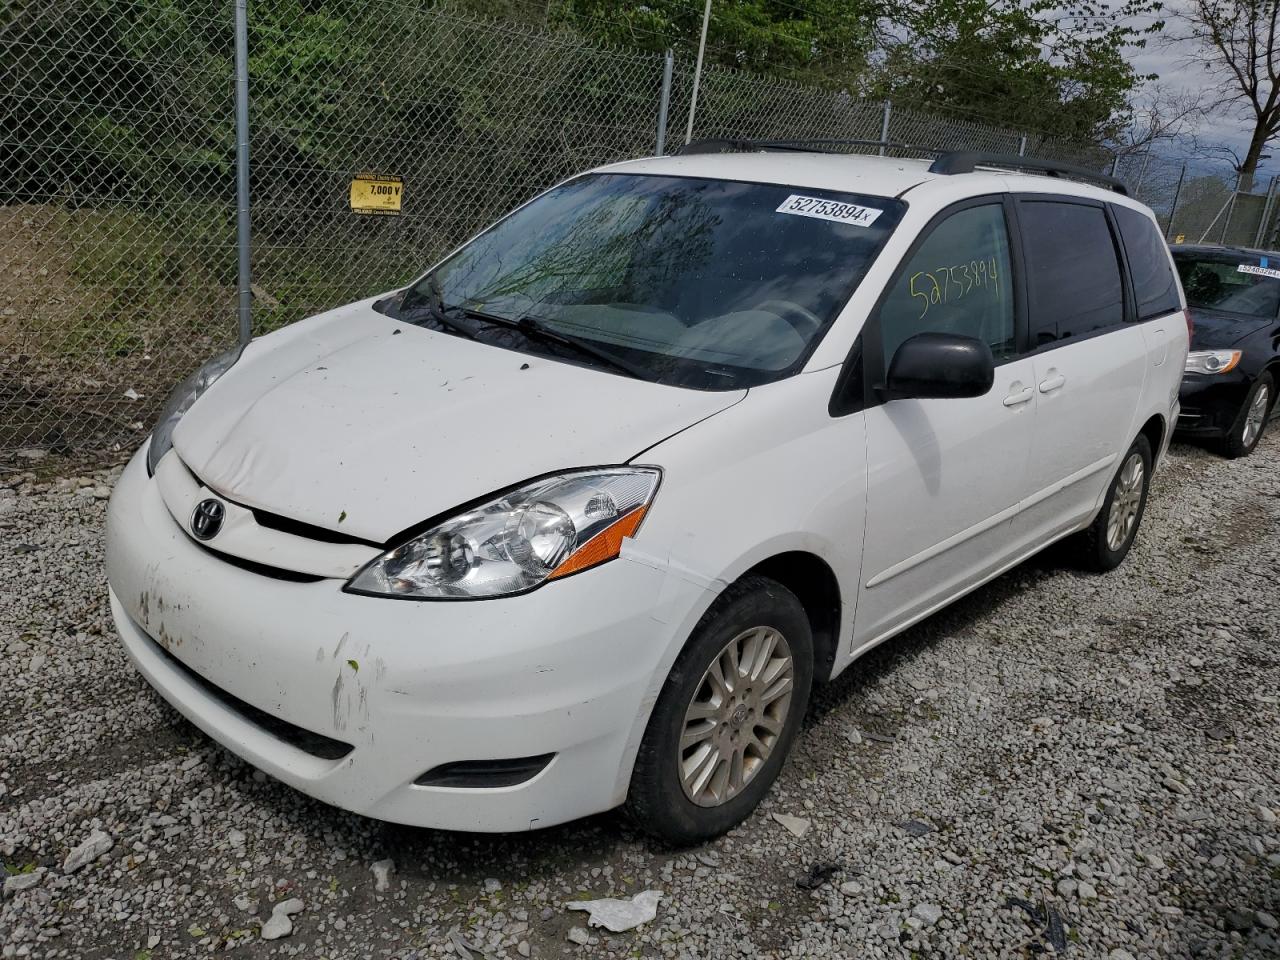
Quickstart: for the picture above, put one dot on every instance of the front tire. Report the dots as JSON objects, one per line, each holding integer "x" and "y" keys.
{"x": 1251, "y": 422}
{"x": 1106, "y": 542}
{"x": 727, "y": 716}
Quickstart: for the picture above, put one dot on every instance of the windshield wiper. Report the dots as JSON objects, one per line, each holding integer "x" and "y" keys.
{"x": 536, "y": 329}
{"x": 433, "y": 303}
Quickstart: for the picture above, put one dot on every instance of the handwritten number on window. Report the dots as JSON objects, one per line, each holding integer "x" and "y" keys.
{"x": 956, "y": 283}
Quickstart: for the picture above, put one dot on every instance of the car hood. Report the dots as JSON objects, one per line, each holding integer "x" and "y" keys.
{"x": 1214, "y": 330}
{"x": 363, "y": 425}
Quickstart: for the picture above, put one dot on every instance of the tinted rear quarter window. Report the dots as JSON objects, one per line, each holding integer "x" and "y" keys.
{"x": 1155, "y": 287}
{"x": 1073, "y": 274}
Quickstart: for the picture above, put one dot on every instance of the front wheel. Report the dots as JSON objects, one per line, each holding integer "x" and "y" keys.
{"x": 1106, "y": 542}
{"x": 726, "y": 717}
{"x": 1252, "y": 419}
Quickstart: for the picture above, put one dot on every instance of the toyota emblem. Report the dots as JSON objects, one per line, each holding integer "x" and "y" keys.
{"x": 206, "y": 519}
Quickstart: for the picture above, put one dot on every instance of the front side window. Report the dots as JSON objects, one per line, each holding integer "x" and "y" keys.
{"x": 1073, "y": 273}
{"x": 1154, "y": 286}
{"x": 711, "y": 284}
{"x": 958, "y": 281}
{"x": 1229, "y": 284}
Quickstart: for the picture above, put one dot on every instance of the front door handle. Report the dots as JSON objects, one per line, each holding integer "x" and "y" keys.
{"x": 1052, "y": 382}
{"x": 1016, "y": 397}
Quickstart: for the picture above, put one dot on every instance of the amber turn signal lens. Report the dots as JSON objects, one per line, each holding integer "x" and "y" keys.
{"x": 605, "y": 545}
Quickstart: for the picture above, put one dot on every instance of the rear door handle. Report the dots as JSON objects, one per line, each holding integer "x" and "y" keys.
{"x": 1021, "y": 396}
{"x": 1051, "y": 383}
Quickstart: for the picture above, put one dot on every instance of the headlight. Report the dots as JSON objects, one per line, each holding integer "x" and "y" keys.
{"x": 545, "y": 530}
{"x": 1212, "y": 361}
{"x": 184, "y": 395}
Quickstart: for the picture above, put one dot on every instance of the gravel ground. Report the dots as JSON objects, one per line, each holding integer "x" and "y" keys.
{"x": 1058, "y": 763}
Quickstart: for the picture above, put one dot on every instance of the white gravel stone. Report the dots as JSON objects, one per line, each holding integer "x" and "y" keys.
{"x": 796, "y": 826}
{"x": 927, "y": 913}
{"x": 280, "y": 923}
{"x": 382, "y": 871}
{"x": 23, "y": 881}
{"x": 87, "y": 851}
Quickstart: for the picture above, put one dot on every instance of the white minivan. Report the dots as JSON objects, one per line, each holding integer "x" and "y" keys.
{"x": 578, "y": 517}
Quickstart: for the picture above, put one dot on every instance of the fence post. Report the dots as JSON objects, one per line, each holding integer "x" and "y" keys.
{"x": 664, "y": 105}
{"x": 697, "y": 71}
{"x": 1142, "y": 172}
{"x": 244, "y": 281}
{"x": 1022, "y": 146}
{"x": 1173, "y": 210}
{"x": 1266, "y": 213}
{"x": 884, "y": 127}
{"x": 1231, "y": 209}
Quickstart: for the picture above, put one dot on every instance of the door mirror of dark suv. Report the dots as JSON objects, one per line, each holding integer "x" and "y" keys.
{"x": 939, "y": 365}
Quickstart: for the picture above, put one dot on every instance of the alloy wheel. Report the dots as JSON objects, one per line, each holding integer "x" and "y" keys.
{"x": 1256, "y": 417}
{"x": 736, "y": 717}
{"x": 1126, "y": 502}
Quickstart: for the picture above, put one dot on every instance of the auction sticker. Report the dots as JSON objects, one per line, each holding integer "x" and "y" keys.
{"x": 376, "y": 194}
{"x": 1259, "y": 271}
{"x": 833, "y": 210}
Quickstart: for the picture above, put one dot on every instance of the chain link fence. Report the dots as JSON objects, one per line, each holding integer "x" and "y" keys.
{"x": 1200, "y": 200}
{"x": 117, "y": 173}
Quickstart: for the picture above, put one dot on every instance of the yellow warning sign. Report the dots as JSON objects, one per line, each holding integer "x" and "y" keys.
{"x": 376, "y": 194}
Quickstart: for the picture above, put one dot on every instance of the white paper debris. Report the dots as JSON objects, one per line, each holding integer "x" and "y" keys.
{"x": 798, "y": 826}
{"x": 620, "y": 915}
{"x": 132, "y": 394}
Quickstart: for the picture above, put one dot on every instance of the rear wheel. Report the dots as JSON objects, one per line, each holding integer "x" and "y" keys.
{"x": 727, "y": 715}
{"x": 1106, "y": 542}
{"x": 1252, "y": 419}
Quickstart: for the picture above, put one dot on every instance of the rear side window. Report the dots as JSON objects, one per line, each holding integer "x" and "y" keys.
{"x": 958, "y": 281}
{"x": 1154, "y": 285}
{"x": 1073, "y": 274}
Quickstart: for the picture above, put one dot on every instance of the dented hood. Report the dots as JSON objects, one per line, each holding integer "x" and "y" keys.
{"x": 364, "y": 425}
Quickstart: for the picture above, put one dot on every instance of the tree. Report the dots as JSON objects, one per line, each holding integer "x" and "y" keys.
{"x": 1030, "y": 64}
{"x": 825, "y": 42}
{"x": 1235, "y": 42}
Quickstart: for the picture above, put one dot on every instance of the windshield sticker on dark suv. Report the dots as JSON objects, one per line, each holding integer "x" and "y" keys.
{"x": 833, "y": 210}
{"x": 1259, "y": 271}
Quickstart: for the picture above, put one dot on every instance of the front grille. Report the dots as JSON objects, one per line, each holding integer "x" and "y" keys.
{"x": 485, "y": 773}
{"x": 316, "y": 744}
{"x": 274, "y": 521}
{"x": 261, "y": 569}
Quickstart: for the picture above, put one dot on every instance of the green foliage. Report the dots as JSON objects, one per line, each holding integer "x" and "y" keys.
{"x": 1025, "y": 64}
{"x": 826, "y": 42}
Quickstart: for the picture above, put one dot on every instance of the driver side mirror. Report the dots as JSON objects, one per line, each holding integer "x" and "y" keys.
{"x": 932, "y": 366}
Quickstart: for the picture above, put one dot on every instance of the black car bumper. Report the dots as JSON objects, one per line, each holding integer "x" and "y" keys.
{"x": 1211, "y": 403}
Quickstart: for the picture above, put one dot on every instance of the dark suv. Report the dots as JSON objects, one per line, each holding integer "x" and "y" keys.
{"x": 1229, "y": 387}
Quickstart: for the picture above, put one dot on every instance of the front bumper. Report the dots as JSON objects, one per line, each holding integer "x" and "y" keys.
{"x": 1211, "y": 404}
{"x": 570, "y": 669}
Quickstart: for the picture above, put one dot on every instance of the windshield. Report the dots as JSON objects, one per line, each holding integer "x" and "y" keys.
{"x": 703, "y": 283}
{"x": 1249, "y": 287}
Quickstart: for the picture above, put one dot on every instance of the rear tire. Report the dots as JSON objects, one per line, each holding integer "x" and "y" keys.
{"x": 718, "y": 736}
{"x": 1251, "y": 421}
{"x": 1106, "y": 542}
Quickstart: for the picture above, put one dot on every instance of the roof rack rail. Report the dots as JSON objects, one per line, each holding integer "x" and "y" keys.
{"x": 966, "y": 161}
{"x": 742, "y": 145}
